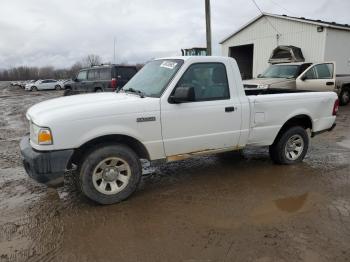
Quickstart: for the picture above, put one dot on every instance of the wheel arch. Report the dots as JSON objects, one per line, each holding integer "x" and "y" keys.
{"x": 98, "y": 87}
{"x": 302, "y": 120}
{"x": 132, "y": 142}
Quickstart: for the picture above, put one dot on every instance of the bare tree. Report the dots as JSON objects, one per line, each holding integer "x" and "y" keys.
{"x": 91, "y": 60}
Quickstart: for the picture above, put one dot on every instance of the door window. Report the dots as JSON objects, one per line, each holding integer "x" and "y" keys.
{"x": 311, "y": 74}
{"x": 93, "y": 75}
{"x": 324, "y": 71}
{"x": 105, "y": 74}
{"x": 321, "y": 71}
{"x": 209, "y": 81}
{"x": 82, "y": 75}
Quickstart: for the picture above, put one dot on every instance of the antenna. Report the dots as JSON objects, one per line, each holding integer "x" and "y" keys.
{"x": 114, "y": 58}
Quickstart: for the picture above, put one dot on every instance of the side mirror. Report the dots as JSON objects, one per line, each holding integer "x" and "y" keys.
{"x": 182, "y": 94}
{"x": 303, "y": 78}
{"x": 259, "y": 75}
{"x": 75, "y": 79}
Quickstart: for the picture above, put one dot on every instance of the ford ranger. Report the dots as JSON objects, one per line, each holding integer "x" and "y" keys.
{"x": 172, "y": 109}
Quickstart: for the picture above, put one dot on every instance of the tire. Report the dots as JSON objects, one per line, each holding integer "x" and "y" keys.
{"x": 34, "y": 88}
{"x": 98, "y": 90}
{"x": 344, "y": 97}
{"x": 110, "y": 174}
{"x": 68, "y": 92}
{"x": 290, "y": 146}
{"x": 58, "y": 87}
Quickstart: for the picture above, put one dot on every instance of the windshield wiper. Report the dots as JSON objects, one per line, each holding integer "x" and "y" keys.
{"x": 138, "y": 92}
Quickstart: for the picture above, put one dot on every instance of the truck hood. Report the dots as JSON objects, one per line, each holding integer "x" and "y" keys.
{"x": 267, "y": 81}
{"x": 88, "y": 106}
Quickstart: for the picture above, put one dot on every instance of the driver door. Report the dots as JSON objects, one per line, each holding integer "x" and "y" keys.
{"x": 212, "y": 121}
{"x": 318, "y": 77}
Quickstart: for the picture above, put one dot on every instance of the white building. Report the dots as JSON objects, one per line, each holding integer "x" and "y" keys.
{"x": 319, "y": 41}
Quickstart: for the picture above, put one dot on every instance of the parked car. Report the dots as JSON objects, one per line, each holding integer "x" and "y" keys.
{"x": 47, "y": 84}
{"x": 172, "y": 109}
{"x": 303, "y": 76}
{"x": 62, "y": 82}
{"x": 106, "y": 78}
{"x": 29, "y": 82}
{"x": 16, "y": 83}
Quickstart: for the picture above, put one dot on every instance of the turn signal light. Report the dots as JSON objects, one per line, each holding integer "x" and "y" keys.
{"x": 44, "y": 137}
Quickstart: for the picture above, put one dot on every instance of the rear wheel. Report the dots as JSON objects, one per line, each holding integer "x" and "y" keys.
{"x": 98, "y": 90}
{"x": 110, "y": 174}
{"x": 68, "y": 92}
{"x": 290, "y": 147}
{"x": 344, "y": 97}
{"x": 58, "y": 87}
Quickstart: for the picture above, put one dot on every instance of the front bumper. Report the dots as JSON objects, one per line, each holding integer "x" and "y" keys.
{"x": 45, "y": 167}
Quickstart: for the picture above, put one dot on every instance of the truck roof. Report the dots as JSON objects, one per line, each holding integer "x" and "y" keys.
{"x": 198, "y": 58}
{"x": 295, "y": 63}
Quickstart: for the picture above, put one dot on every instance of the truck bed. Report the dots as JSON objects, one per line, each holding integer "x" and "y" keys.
{"x": 268, "y": 107}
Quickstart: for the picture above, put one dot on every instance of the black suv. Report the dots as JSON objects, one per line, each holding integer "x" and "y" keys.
{"x": 104, "y": 78}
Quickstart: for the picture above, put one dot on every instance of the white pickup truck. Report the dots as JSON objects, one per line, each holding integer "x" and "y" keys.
{"x": 172, "y": 109}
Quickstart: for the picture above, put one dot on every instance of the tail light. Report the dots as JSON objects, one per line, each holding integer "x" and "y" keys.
{"x": 114, "y": 83}
{"x": 336, "y": 107}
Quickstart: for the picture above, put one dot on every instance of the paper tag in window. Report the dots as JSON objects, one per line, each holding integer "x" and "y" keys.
{"x": 168, "y": 64}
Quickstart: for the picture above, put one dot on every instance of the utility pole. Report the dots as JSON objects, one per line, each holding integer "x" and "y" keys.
{"x": 208, "y": 26}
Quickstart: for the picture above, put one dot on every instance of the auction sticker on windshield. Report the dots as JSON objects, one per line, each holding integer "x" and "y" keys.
{"x": 168, "y": 64}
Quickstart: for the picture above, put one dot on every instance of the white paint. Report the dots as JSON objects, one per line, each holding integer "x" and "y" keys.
{"x": 337, "y": 49}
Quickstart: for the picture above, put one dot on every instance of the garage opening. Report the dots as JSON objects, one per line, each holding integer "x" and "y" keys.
{"x": 244, "y": 57}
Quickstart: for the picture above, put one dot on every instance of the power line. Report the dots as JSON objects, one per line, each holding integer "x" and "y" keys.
{"x": 273, "y": 2}
{"x": 257, "y": 6}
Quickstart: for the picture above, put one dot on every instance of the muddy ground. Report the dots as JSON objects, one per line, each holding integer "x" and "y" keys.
{"x": 228, "y": 207}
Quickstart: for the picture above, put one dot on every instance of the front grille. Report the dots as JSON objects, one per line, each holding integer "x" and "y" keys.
{"x": 250, "y": 86}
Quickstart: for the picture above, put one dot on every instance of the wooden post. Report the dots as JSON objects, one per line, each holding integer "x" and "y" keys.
{"x": 208, "y": 26}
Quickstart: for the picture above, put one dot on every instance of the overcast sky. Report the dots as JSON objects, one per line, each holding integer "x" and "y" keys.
{"x": 61, "y": 32}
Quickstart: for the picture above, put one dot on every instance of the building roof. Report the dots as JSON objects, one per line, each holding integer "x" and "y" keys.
{"x": 292, "y": 18}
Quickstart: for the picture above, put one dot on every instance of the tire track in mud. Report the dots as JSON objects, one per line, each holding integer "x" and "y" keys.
{"x": 30, "y": 222}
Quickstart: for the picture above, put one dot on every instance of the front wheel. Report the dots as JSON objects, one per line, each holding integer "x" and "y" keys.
{"x": 110, "y": 174}
{"x": 344, "y": 97}
{"x": 290, "y": 147}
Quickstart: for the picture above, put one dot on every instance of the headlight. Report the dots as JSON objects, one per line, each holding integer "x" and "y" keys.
{"x": 263, "y": 86}
{"x": 40, "y": 135}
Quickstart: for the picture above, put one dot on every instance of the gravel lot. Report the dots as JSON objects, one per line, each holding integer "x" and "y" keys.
{"x": 229, "y": 207}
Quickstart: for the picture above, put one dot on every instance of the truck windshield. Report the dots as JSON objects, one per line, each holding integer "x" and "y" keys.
{"x": 281, "y": 71}
{"x": 154, "y": 77}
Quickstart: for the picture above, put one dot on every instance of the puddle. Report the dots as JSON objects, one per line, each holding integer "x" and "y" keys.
{"x": 291, "y": 204}
{"x": 283, "y": 208}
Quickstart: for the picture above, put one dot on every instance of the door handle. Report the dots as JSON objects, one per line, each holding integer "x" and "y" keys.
{"x": 330, "y": 83}
{"x": 229, "y": 109}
